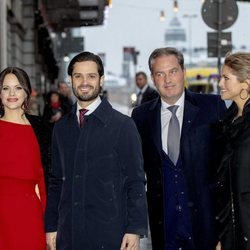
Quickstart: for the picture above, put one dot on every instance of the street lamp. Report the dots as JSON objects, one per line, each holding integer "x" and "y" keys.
{"x": 162, "y": 15}
{"x": 175, "y": 6}
{"x": 190, "y": 35}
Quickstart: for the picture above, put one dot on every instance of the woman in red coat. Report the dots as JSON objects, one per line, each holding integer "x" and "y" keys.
{"x": 22, "y": 188}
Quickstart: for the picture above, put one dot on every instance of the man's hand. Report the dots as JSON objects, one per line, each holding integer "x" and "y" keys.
{"x": 218, "y": 247}
{"x": 51, "y": 241}
{"x": 130, "y": 242}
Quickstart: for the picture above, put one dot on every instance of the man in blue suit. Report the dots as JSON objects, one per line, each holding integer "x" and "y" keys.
{"x": 146, "y": 92}
{"x": 178, "y": 141}
{"x": 96, "y": 198}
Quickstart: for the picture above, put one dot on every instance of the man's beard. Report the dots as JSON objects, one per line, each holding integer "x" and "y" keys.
{"x": 86, "y": 97}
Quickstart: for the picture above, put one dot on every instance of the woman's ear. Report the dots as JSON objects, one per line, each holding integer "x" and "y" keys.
{"x": 247, "y": 81}
{"x": 246, "y": 85}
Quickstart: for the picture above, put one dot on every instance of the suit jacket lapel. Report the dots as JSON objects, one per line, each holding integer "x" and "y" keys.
{"x": 155, "y": 124}
{"x": 190, "y": 113}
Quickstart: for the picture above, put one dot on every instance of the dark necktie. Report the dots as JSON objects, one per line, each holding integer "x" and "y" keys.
{"x": 82, "y": 112}
{"x": 173, "y": 135}
{"x": 139, "y": 98}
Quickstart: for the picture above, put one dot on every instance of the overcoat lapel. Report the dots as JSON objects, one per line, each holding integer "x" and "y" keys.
{"x": 190, "y": 113}
{"x": 155, "y": 124}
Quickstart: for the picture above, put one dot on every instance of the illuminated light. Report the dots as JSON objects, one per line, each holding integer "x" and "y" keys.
{"x": 106, "y": 12}
{"x": 162, "y": 15}
{"x": 63, "y": 34}
{"x": 53, "y": 35}
{"x": 106, "y": 16}
{"x": 66, "y": 58}
{"x": 224, "y": 42}
{"x": 133, "y": 97}
{"x": 110, "y": 3}
{"x": 176, "y": 7}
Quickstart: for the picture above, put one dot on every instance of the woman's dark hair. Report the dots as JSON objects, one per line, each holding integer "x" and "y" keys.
{"x": 49, "y": 95}
{"x": 23, "y": 79}
{"x": 86, "y": 56}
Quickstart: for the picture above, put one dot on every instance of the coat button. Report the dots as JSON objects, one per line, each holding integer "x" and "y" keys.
{"x": 77, "y": 176}
{"x": 159, "y": 222}
{"x": 76, "y": 203}
{"x": 178, "y": 208}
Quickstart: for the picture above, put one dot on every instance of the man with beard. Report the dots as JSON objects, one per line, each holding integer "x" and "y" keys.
{"x": 96, "y": 197}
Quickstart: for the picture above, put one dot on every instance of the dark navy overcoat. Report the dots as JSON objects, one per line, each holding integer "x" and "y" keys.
{"x": 197, "y": 157}
{"x": 97, "y": 186}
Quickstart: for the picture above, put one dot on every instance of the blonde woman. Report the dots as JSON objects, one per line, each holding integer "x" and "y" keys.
{"x": 234, "y": 170}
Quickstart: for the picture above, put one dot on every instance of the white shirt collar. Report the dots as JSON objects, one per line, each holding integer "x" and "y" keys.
{"x": 144, "y": 89}
{"x": 166, "y": 116}
{"x": 180, "y": 102}
{"x": 91, "y": 108}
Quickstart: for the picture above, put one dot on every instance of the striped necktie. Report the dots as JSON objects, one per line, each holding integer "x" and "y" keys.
{"x": 82, "y": 112}
{"x": 173, "y": 135}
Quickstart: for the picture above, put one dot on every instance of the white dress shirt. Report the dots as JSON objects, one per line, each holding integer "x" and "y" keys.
{"x": 91, "y": 108}
{"x": 140, "y": 94}
{"x": 165, "y": 119}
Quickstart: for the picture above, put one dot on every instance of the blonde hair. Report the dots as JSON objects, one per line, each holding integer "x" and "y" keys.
{"x": 239, "y": 63}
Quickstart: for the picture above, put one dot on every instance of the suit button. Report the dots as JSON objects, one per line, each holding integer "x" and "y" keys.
{"x": 76, "y": 203}
{"x": 179, "y": 208}
{"x": 77, "y": 176}
{"x": 159, "y": 222}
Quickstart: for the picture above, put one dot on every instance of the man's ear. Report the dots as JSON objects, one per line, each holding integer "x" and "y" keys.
{"x": 102, "y": 81}
{"x": 152, "y": 78}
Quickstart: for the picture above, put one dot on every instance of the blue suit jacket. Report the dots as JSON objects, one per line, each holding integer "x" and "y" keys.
{"x": 196, "y": 157}
{"x": 96, "y": 192}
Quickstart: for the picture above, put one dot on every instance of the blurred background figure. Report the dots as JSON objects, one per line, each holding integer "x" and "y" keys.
{"x": 67, "y": 97}
{"x": 146, "y": 93}
{"x": 54, "y": 109}
{"x": 34, "y": 106}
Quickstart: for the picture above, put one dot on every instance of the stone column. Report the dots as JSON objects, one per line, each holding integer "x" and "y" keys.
{"x": 3, "y": 36}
